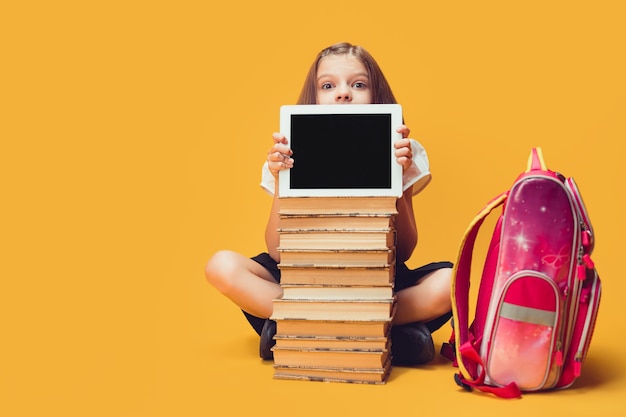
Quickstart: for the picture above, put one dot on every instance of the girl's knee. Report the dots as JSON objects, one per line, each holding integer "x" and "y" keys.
{"x": 445, "y": 279}
{"x": 219, "y": 268}
{"x": 441, "y": 290}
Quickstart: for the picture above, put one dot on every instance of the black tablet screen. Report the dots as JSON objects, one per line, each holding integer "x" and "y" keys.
{"x": 341, "y": 151}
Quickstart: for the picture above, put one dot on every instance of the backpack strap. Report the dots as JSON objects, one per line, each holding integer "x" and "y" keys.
{"x": 471, "y": 369}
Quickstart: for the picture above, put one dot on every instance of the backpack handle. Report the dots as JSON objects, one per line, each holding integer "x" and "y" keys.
{"x": 535, "y": 161}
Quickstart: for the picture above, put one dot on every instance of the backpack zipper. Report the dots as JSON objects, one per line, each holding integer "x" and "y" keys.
{"x": 590, "y": 320}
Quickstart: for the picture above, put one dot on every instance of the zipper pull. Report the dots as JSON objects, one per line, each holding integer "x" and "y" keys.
{"x": 581, "y": 270}
{"x": 587, "y": 260}
{"x": 558, "y": 355}
{"x": 586, "y": 238}
{"x": 578, "y": 364}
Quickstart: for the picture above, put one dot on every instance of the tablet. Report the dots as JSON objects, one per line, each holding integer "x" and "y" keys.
{"x": 341, "y": 150}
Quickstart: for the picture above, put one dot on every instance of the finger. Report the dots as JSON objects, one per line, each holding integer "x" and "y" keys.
{"x": 276, "y": 166}
{"x": 280, "y": 158}
{"x": 404, "y": 162}
{"x": 279, "y": 138}
{"x": 402, "y": 143}
{"x": 404, "y": 131}
{"x": 404, "y": 151}
{"x": 278, "y": 151}
{"x": 280, "y": 145}
{"x": 275, "y": 156}
{"x": 404, "y": 154}
{"x": 287, "y": 161}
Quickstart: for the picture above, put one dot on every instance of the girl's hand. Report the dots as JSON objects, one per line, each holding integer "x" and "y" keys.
{"x": 279, "y": 155}
{"x": 404, "y": 154}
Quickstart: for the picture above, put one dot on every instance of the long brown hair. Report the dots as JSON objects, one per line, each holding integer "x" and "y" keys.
{"x": 381, "y": 91}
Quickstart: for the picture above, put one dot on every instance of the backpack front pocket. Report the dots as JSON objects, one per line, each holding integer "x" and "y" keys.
{"x": 524, "y": 343}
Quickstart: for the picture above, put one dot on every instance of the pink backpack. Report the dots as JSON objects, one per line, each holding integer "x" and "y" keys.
{"x": 539, "y": 293}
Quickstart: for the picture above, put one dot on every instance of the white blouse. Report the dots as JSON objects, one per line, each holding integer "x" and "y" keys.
{"x": 418, "y": 175}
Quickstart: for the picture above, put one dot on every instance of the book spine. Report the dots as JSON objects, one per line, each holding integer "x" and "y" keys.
{"x": 337, "y": 263}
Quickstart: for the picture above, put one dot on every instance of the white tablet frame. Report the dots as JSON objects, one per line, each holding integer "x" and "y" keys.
{"x": 393, "y": 110}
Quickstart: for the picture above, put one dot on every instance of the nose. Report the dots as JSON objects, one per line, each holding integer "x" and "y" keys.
{"x": 343, "y": 95}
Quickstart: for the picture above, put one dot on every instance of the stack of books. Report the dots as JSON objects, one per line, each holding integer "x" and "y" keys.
{"x": 337, "y": 273}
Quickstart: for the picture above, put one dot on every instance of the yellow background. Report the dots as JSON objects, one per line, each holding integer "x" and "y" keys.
{"x": 132, "y": 138}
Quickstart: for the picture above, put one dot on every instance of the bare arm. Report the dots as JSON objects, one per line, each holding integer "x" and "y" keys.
{"x": 406, "y": 228}
{"x": 278, "y": 157}
{"x": 272, "y": 238}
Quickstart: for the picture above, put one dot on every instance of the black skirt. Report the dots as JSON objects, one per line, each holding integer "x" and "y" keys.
{"x": 405, "y": 278}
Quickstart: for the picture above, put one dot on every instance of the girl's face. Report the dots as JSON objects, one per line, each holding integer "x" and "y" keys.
{"x": 342, "y": 79}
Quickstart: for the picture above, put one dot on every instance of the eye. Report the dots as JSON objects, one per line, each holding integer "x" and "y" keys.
{"x": 359, "y": 84}
{"x": 326, "y": 86}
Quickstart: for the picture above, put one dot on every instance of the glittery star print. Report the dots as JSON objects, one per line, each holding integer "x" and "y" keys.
{"x": 537, "y": 231}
